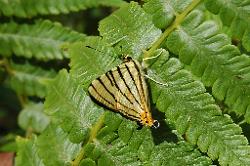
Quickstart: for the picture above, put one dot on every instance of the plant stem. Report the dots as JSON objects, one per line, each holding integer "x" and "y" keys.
{"x": 1, "y": 62}
{"x": 29, "y": 132}
{"x": 22, "y": 99}
{"x": 173, "y": 26}
{"x": 92, "y": 136}
{"x": 5, "y": 63}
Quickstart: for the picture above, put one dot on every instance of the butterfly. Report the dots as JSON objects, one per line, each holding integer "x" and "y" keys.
{"x": 123, "y": 89}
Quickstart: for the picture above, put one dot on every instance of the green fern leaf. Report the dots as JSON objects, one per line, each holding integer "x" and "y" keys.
{"x": 236, "y": 15}
{"x": 29, "y": 80}
{"x": 59, "y": 150}
{"x": 196, "y": 116}
{"x": 69, "y": 105}
{"x": 211, "y": 57}
{"x": 91, "y": 50}
{"x": 117, "y": 140}
{"x": 41, "y": 40}
{"x": 82, "y": 133}
{"x": 163, "y": 12}
{"x": 31, "y": 8}
{"x": 33, "y": 118}
{"x": 52, "y": 147}
{"x": 194, "y": 99}
{"x": 136, "y": 147}
{"x": 131, "y": 35}
{"x": 139, "y": 149}
{"x": 178, "y": 154}
{"x": 27, "y": 152}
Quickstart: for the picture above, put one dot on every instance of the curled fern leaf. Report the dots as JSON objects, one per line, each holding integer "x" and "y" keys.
{"x": 235, "y": 14}
{"x": 33, "y": 118}
{"x": 212, "y": 57}
{"x": 30, "y": 8}
{"x": 41, "y": 40}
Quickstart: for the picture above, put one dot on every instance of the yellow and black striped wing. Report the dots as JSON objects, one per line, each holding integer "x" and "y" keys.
{"x": 124, "y": 89}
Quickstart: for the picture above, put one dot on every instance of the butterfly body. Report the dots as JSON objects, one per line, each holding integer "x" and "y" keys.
{"x": 123, "y": 89}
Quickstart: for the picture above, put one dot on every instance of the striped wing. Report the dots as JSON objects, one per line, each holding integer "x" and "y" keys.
{"x": 124, "y": 89}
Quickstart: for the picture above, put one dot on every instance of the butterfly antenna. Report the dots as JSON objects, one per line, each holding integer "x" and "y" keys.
{"x": 152, "y": 57}
{"x": 160, "y": 83}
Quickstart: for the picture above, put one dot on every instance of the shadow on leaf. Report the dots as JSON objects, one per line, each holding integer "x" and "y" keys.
{"x": 164, "y": 132}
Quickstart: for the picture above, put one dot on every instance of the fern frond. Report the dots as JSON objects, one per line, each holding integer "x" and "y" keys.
{"x": 31, "y": 8}
{"x": 70, "y": 106}
{"x": 82, "y": 133}
{"x": 129, "y": 146}
{"x": 164, "y": 12}
{"x": 236, "y": 15}
{"x": 63, "y": 151}
{"x": 133, "y": 34}
{"x": 27, "y": 152}
{"x": 37, "y": 151}
{"x": 196, "y": 116}
{"x": 178, "y": 154}
{"x": 139, "y": 150}
{"x": 211, "y": 57}
{"x": 90, "y": 51}
{"x": 29, "y": 80}
{"x": 118, "y": 142}
{"x": 41, "y": 40}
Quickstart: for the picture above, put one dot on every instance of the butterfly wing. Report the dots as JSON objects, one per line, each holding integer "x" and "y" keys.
{"x": 124, "y": 89}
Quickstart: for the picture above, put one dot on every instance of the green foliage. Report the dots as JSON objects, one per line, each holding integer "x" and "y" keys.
{"x": 235, "y": 15}
{"x": 214, "y": 60}
{"x": 41, "y": 40}
{"x": 29, "y": 80}
{"x": 27, "y": 152}
{"x": 80, "y": 61}
{"x": 199, "y": 86}
{"x": 194, "y": 114}
{"x": 136, "y": 147}
{"x": 59, "y": 147}
{"x": 123, "y": 33}
{"x": 33, "y": 117}
{"x": 70, "y": 106}
{"x": 136, "y": 150}
{"x": 118, "y": 142}
{"x": 31, "y": 8}
{"x": 164, "y": 12}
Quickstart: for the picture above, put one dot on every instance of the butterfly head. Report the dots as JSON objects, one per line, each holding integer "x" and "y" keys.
{"x": 156, "y": 124}
{"x": 147, "y": 120}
